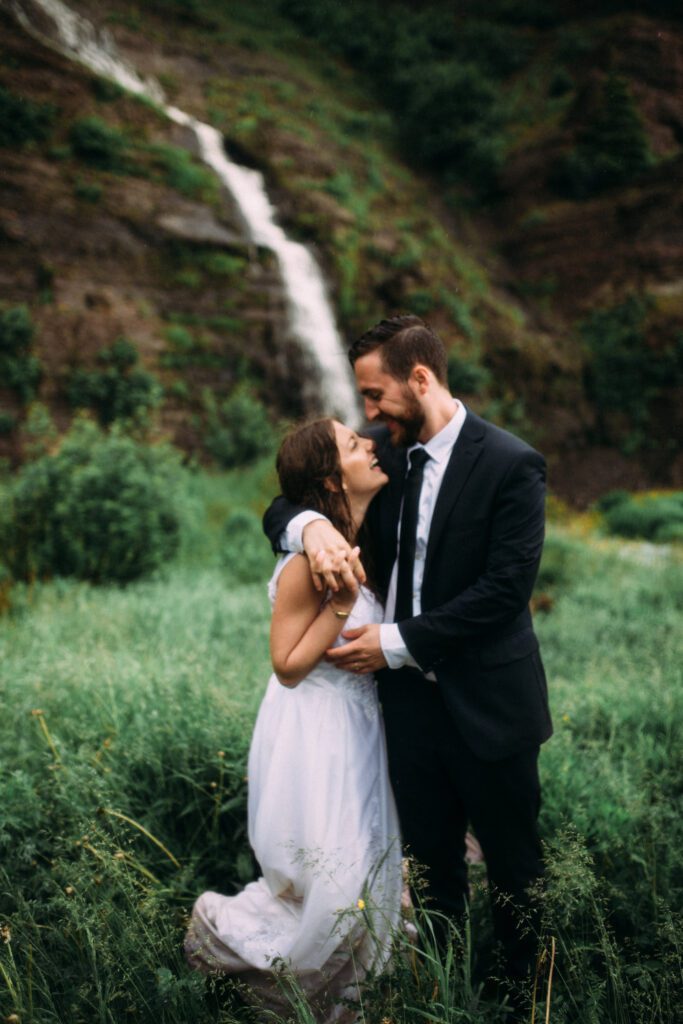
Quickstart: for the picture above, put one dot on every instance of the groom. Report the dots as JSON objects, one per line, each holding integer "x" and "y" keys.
{"x": 457, "y": 535}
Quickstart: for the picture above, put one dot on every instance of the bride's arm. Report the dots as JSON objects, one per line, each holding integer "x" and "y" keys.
{"x": 301, "y": 630}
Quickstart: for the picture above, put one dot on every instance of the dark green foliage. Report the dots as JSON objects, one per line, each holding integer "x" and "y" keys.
{"x": 20, "y": 371}
{"x": 625, "y": 373}
{"x": 465, "y": 376}
{"x": 559, "y": 563}
{"x": 611, "y": 151}
{"x": 98, "y": 144}
{"x": 657, "y": 518}
{"x": 22, "y": 121}
{"x": 118, "y": 391}
{"x": 182, "y": 172}
{"x": 440, "y": 75}
{"x": 246, "y": 553}
{"x": 99, "y": 510}
{"x": 238, "y": 430}
{"x": 7, "y": 422}
{"x": 88, "y": 191}
{"x": 107, "y": 91}
{"x": 451, "y": 118}
{"x": 16, "y": 331}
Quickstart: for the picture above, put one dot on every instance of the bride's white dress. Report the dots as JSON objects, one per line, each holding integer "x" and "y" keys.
{"x": 323, "y": 827}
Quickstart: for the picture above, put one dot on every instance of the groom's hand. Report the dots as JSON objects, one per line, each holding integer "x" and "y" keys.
{"x": 333, "y": 562}
{"x": 363, "y": 652}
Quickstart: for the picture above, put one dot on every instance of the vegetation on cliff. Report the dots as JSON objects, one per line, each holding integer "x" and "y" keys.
{"x": 509, "y": 174}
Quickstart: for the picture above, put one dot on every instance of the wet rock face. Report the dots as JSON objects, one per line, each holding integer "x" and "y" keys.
{"x": 98, "y": 253}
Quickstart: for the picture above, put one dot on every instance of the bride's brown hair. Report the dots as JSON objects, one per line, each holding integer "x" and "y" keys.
{"x": 310, "y": 473}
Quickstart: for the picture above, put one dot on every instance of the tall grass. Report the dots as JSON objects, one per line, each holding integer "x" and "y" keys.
{"x": 126, "y": 721}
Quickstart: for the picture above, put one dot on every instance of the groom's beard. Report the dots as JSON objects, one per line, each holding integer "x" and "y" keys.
{"x": 405, "y": 430}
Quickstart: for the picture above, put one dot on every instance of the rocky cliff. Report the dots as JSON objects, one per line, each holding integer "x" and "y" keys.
{"x": 141, "y": 242}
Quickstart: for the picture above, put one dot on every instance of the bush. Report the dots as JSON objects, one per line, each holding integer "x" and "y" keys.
{"x": 16, "y": 331}
{"x": 559, "y": 562}
{"x": 7, "y": 422}
{"x": 657, "y": 518}
{"x": 19, "y": 370}
{"x": 183, "y": 172}
{"x": 452, "y": 118}
{"x": 465, "y": 376}
{"x": 99, "y": 510}
{"x": 439, "y": 74}
{"x": 23, "y": 121}
{"x": 625, "y": 374}
{"x": 612, "y": 150}
{"x": 238, "y": 430}
{"x": 118, "y": 391}
{"x": 98, "y": 144}
{"x": 246, "y": 553}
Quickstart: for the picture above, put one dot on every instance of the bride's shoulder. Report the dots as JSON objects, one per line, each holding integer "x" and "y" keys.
{"x": 292, "y": 578}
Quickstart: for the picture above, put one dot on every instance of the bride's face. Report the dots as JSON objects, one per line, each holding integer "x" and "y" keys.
{"x": 361, "y": 472}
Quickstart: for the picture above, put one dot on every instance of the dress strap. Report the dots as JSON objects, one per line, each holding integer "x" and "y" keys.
{"x": 282, "y": 561}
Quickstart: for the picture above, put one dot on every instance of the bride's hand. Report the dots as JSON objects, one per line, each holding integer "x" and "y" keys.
{"x": 345, "y": 598}
{"x": 333, "y": 562}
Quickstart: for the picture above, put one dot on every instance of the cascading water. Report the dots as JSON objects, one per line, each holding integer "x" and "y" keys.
{"x": 310, "y": 315}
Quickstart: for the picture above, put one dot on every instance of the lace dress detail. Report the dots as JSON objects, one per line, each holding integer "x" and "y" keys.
{"x": 323, "y": 827}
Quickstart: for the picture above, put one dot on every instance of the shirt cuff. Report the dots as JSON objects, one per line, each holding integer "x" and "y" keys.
{"x": 393, "y": 647}
{"x": 292, "y": 538}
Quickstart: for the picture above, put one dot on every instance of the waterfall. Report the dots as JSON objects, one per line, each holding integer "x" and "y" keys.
{"x": 311, "y": 320}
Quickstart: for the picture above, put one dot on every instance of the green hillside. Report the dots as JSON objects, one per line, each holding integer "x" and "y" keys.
{"x": 511, "y": 172}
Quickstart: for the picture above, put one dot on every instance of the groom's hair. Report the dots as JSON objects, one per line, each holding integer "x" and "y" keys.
{"x": 403, "y": 342}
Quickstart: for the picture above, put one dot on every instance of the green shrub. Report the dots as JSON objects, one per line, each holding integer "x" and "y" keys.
{"x": 38, "y": 431}
{"x": 625, "y": 373}
{"x": 420, "y": 302}
{"x": 182, "y": 172}
{"x": 465, "y": 376}
{"x": 559, "y": 562}
{"x": 246, "y": 553}
{"x": 7, "y": 422}
{"x": 237, "y": 430}
{"x": 20, "y": 371}
{"x": 100, "y": 510}
{"x": 107, "y": 91}
{"x": 98, "y": 144}
{"x": 657, "y": 518}
{"x": 612, "y": 149}
{"x": 117, "y": 391}
{"x": 23, "y": 121}
{"x": 223, "y": 264}
{"x": 16, "y": 331}
{"x": 88, "y": 191}
{"x": 452, "y": 119}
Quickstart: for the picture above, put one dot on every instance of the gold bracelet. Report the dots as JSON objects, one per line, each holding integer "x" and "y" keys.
{"x": 340, "y": 615}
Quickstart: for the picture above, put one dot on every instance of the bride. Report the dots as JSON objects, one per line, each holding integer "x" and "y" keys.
{"x": 322, "y": 821}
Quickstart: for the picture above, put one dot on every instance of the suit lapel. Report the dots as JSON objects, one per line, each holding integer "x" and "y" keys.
{"x": 464, "y": 456}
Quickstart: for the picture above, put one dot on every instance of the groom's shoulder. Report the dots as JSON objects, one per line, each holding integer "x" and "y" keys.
{"x": 503, "y": 443}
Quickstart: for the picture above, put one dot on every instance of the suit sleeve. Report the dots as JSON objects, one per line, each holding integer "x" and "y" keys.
{"x": 504, "y": 588}
{"x": 276, "y": 519}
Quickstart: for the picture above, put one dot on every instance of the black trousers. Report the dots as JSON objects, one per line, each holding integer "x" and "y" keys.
{"x": 440, "y": 788}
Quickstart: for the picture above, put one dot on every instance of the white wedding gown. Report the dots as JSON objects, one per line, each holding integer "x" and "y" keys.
{"x": 323, "y": 827}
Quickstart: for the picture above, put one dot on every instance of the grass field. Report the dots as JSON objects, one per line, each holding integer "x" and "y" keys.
{"x": 126, "y": 716}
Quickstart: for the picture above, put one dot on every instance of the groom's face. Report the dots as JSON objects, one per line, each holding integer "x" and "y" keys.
{"x": 388, "y": 400}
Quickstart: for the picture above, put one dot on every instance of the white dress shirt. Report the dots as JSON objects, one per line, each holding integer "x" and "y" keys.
{"x": 439, "y": 449}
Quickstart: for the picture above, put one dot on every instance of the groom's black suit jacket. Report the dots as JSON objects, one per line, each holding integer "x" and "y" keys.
{"x": 475, "y": 631}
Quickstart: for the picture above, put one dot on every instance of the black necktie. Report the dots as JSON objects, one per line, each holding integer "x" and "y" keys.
{"x": 406, "y": 544}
